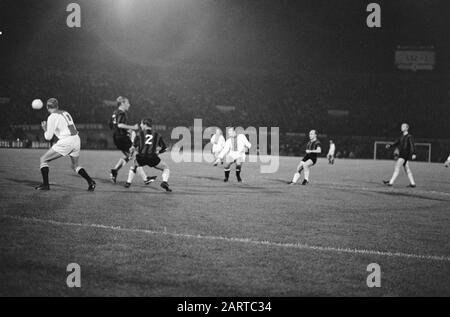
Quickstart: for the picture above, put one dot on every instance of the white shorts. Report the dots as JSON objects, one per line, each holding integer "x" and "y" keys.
{"x": 68, "y": 146}
{"x": 216, "y": 149}
{"x": 235, "y": 156}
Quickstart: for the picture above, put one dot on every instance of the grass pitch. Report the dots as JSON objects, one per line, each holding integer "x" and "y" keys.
{"x": 209, "y": 238}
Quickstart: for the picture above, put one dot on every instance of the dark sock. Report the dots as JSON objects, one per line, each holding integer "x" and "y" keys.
{"x": 238, "y": 174}
{"x": 44, "y": 172}
{"x": 227, "y": 174}
{"x": 85, "y": 175}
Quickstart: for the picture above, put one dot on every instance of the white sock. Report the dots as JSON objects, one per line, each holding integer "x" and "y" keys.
{"x": 296, "y": 177}
{"x": 394, "y": 176}
{"x": 131, "y": 174}
{"x": 120, "y": 164}
{"x": 165, "y": 175}
{"x": 141, "y": 172}
{"x": 411, "y": 177}
{"x": 306, "y": 174}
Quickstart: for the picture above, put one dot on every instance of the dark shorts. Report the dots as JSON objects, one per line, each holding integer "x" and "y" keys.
{"x": 123, "y": 143}
{"x": 149, "y": 160}
{"x": 405, "y": 157}
{"x": 310, "y": 157}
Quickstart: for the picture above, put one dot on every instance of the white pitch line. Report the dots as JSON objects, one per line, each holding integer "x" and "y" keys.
{"x": 301, "y": 246}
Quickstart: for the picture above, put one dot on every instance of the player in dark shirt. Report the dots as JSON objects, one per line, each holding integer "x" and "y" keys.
{"x": 148, "y": 144}
{"x": 313, "y": 149}
{"x": 406, "y": 151}
{"x": 122, "y": 139}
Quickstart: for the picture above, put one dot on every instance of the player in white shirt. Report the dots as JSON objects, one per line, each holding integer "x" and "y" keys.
{"x": 60, "y": 124}
{"x": 331, "y": 152}
{"x": 218, "y": 142}
{"x": 233, "y": 152}
{"x": 447, "y": 163}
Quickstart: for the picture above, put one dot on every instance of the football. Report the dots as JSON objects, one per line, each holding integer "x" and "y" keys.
{"x": 37, "y": 104}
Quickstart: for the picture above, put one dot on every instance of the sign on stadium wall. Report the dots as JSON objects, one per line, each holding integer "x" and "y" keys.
{"x": 415, "y": 57}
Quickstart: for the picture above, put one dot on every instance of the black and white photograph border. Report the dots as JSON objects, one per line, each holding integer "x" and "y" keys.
{"x": 224, "y": 148}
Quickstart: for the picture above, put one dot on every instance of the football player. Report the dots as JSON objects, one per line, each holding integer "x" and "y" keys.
{"x": 123, "y": 140}
{"x": 313, "y": 149}
{"x": 331, "y": 152}
{"x": 218, "y": 142}
{"x": 61, "y": 125}
{"x": 407, "y": 151}
{"x": 148, "y": 144}
{"x": 234, "y": 152}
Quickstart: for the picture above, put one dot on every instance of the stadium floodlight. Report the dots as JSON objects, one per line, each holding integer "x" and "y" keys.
{"x": 423, "y": 151}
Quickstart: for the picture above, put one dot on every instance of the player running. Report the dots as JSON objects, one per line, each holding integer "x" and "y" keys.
{"x": 148, "y": 144}
{"x": 407, "y": 151}
{"x": 312, "y": 150}
{"x": 122, "y": 139}
{"x": 233, "y": 152}
{"x": 60, "y": 124}
{"x": 218, "y": 142}
{"x": 331, "y": 151}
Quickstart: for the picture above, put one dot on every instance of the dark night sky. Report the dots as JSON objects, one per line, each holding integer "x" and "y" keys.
{"x": 318, "y": 35}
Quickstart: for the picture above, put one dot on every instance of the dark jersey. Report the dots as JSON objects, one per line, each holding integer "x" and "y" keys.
{"x": 119, "y": 116}
{"x": 313, "y": 145}
{"x": 146, "y": 143}
{"x": 405, "y": 145}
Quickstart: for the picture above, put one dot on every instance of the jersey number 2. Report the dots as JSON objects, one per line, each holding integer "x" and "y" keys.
{"x": 148, "y": 139}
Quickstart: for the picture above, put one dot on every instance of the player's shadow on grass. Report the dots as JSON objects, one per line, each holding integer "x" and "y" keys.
{"x": 24, "y": 181}
{"x": 277, "y": 180}
{"x": 227, "y": 185}
{"x": 376, "y": 190}
{"x": 411, "y": 195}
{"x": 33, "y": 184}
{"x": 211, "y": 178}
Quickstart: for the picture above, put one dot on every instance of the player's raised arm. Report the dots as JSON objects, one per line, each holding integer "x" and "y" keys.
{"x": 127, "y": 126}
{"x": 247, "y": 144}
{"x": 121, "y": 122}
{"x": 394, "y": 144}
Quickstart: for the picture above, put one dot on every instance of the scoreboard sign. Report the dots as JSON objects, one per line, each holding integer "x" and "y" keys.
{"x": 415, "y": 58}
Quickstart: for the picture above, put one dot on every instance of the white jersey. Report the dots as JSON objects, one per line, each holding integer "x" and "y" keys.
{"x": 61, "y": 124}
{"x": 235, "y": 147}
{"x": 332, "y": 149}
{"x": 218, "y": 143}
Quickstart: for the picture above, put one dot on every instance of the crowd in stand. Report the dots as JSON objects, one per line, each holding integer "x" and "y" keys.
{"x": 296, "y": 102}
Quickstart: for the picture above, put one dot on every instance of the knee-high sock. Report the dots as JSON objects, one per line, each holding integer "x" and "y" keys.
{"x": 141, "y": 172}
{"x": 227, "y": 173}
{"x": 238, "y": 171}
{"x": 120, "y": 164}
{"x": 44, "y": 172}
{"x": 131, "y": 174}
{"x": 306, "y": 173}
{"x": 165, "y": 175}
{"x": 296, "y": 177}
{"x": 410, "y": 176}
{"x": 82, "y": 172}
{"x": 395, "y": 175}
